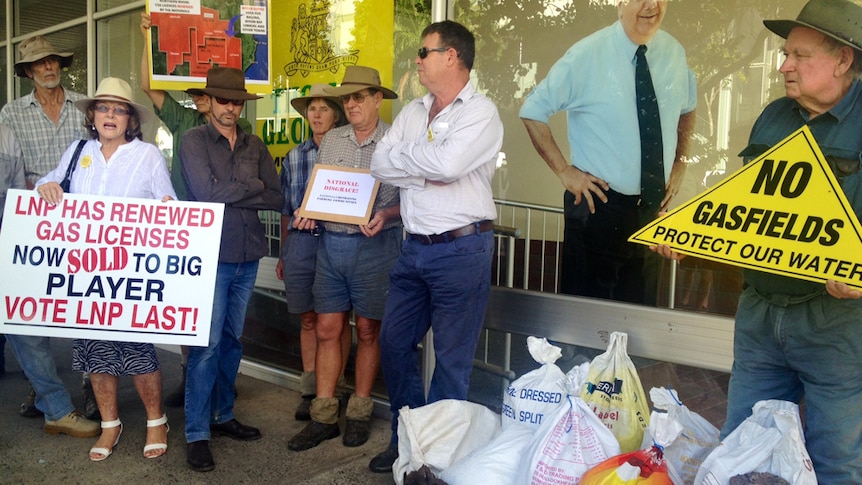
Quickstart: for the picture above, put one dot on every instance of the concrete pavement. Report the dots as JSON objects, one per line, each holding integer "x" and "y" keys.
{"x": 28, "y": 455}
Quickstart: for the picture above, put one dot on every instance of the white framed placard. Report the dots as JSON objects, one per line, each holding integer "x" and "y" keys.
{"x": 340, "y": 194}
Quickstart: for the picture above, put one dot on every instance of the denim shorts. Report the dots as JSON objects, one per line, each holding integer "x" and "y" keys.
{"x": 353, "y": 272}
{"x": 299, "y": 260}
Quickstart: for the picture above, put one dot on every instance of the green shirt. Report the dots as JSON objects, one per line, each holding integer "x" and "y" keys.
{"x": 178, "y": 120}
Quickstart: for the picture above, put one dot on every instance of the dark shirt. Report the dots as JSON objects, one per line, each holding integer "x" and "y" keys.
{"x": 214, "y": 173}
{"x": 838, "y": 132}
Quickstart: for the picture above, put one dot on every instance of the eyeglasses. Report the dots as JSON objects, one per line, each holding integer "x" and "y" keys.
{"x": 235, "y": 102}
{"x": 423, "y": 51}
{"x": 118, "y": 110}
{"x": 357, "y": 98}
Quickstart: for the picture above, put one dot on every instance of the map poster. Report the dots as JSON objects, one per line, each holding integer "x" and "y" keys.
{"x": 188, "y": 37}
{"x": 109, "y": 268}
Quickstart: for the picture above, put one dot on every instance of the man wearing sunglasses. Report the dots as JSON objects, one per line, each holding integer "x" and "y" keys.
{"x": 178, "y": 120}
{"x": 222, "y": 163}
{"x": 441, "y": 152}
{"x": 353, "y": 263}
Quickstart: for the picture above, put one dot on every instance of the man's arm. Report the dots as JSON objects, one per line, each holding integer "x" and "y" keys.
{"x": 684, "y": 129}
{"x": 203, "y": 182}
{"x": 454, "y": 147}
{"x": 271, "y": 197}
{"x": 157, "y": 96}
{"x": 582, "y": 184}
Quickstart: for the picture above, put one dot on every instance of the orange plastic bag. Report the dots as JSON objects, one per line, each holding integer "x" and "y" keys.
{"x": 641, "y": 467}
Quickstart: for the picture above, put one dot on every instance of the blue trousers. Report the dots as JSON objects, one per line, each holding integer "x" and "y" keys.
{"x": 786, "y": 350}
{"x": 211, "y": 370}
{"x": 444, "y": 287}
{"x": 34, "y": 355}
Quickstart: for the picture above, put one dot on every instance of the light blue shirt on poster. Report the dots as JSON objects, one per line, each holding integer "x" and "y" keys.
{"x": 594, "y": 83}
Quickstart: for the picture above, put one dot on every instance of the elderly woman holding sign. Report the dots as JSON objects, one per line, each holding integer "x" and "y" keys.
{"x": 115, "y": 162}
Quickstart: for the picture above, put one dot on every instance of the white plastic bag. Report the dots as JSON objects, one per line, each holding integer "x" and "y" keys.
{"x": 770, "y": 440}
{"x": 495, "y": 463}
{"x": 570, "y": 441}
{"x": 614, "y": 392}
{"x": 683, "y": 455}
{"x": 537, "y": 393}
{"x": 441, "y": 433}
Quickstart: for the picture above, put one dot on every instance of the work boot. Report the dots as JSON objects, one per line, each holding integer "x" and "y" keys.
{"x": 177, "y": 398}
{"x": 323, "y": 425}
{"x": 358, "y": 425}
{"x": 91, "y": 407}
{"x": 307, "y": 389}
{"x": 382, "y": 463}
{"x": 73, "y": 424}
{"x": 28, "y": 407}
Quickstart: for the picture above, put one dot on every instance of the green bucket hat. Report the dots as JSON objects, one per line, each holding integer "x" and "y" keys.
{"x": 838, "y": 19}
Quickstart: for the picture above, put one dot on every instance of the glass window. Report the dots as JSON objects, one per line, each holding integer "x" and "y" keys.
{"x": 735, "y": 60}
{"x": 33, "y": 15}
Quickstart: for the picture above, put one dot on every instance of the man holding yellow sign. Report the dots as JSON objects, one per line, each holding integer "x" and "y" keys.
{"x": 796, "y": 337}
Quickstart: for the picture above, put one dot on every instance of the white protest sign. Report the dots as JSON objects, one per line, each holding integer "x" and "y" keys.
{"x": 109, "y": 268}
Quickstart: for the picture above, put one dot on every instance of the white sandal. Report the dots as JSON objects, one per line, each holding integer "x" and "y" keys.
{"x": 105, "y": 452}
{"x": 152, "y": 423}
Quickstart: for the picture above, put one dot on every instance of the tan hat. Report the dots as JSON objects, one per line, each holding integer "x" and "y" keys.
{"x": 839, "y": 19}
{"x": 35, "y": 49}
{"x": 317, "y": 91}
{"x": 228, "y": 83}
{"x": 115, "y": 89}
{"x": 357, "y": 78}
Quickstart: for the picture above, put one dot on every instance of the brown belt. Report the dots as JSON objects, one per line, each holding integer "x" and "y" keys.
{"x": 448, "y": 236}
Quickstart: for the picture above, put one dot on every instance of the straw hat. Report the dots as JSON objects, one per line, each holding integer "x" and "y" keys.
{"x": 228, "y": 83}
{"x": 114, "y": 89}
{"x": 317, "y": 91}
{"x": 839, "y": 19}
{"x": 357, "y": 78}
{"x": 35, "y": 49}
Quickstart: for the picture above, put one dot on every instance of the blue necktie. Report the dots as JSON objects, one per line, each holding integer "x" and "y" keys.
{"x": 652, "y": 167}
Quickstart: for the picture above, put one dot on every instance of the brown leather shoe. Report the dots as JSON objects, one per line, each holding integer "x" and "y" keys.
{"x": 73, "y": 424}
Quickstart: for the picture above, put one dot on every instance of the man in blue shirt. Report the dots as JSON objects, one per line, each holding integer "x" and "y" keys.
{"x": 594, "y": 83}
{"x": 795, "y": 338}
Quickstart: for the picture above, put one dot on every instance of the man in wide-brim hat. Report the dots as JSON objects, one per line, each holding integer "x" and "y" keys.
{"x": 45, "y": 122}
{"x": 222, "y": 163}
{"x": 796, "y": 339}
{"x": 341, "y": 286}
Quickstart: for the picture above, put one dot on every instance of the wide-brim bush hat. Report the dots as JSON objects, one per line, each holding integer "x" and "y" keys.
{"x": 115, "y": 89}
{"x": 227, "y": 83}
{"x": 317, "y": 91}
{"x": 35, "y": 49}
{"x": 838, "y": 19}
{"x": 357, "y": 78}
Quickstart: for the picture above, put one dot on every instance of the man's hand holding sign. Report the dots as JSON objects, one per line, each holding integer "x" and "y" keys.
{"x": 783, "y": 213}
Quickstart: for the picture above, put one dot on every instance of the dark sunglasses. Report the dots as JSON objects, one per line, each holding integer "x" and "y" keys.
{"x": 423, "y": 51}
{"x": 235, "y": 102}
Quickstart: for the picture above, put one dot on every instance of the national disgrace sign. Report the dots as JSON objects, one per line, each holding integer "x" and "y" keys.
{"x": 783, "y": 213}
{"x": 109, "y": 268}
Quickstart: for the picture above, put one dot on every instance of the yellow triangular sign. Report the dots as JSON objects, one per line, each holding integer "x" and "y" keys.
{"x": 783, "y": 213}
